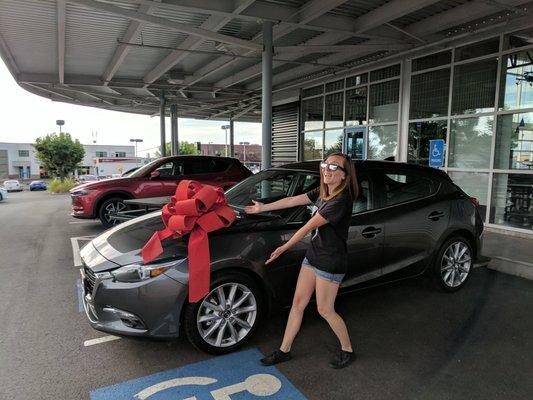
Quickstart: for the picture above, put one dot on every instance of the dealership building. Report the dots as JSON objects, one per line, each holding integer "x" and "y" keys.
{"x": 375, "y": 79}
{"x": 19, "y": 160}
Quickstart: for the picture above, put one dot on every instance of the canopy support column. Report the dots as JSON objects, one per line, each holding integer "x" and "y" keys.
{"x": 162, "y": 104}
{"x": 266, "y": 96}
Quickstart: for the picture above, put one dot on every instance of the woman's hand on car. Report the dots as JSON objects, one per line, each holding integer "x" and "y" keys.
{"x": 276, "y": 253}
{"x": 255, "y": 209}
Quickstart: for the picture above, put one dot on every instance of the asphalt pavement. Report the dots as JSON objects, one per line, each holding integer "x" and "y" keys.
{"x": 412, "y": 342}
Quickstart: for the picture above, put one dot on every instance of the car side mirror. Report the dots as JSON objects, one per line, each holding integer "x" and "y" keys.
{"x": 155, "y": 174}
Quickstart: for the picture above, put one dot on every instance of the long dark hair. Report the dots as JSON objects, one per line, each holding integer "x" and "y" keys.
{"x": 349, "y": 183}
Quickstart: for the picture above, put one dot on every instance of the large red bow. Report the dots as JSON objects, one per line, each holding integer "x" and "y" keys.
{"x": 198, "y": 210}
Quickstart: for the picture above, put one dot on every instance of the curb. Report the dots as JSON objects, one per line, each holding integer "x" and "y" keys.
{"x": 513, "y": 267}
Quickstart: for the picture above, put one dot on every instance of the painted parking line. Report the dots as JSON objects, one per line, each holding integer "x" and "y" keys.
{"x": 100, "y": 340}
{"x": 75, "y": 243}
{"x": 79, "y": 291}
{"x": 230, "y": 377}
{"x": 83, "y": 222}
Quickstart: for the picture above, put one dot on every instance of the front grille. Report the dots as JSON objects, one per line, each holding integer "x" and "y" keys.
{"x": 90, "y": 279}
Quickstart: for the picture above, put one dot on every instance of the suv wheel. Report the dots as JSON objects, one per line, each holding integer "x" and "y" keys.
{"x": 108, "y": 208}
{"x": 226, "y": 317}
{"x": 453, "y": 264}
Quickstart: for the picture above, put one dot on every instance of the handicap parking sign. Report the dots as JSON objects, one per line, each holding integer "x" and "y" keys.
{"x": 436, "y": 153}
{"x": 237, "y": 376}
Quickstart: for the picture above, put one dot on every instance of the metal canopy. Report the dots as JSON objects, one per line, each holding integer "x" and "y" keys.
{"x": 206, "y": 54}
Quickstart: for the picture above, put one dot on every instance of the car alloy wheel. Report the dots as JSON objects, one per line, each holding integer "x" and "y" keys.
{"x": 111, "y": 209}
{"x": 226, "y": 315}
{"x": 456, "y": 263}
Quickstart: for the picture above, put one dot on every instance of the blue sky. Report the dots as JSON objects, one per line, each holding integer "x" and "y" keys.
{"x": 26, "y": 116}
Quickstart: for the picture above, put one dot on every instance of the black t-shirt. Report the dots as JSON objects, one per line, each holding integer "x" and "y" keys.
{"x": 328, "y": 251}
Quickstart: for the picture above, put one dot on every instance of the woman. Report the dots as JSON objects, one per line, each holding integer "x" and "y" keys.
{"x": 325, "y": 262}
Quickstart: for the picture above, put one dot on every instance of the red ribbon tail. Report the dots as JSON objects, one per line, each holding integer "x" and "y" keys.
{"x": 199, "y": 265}
{"x": 153, "y": 247}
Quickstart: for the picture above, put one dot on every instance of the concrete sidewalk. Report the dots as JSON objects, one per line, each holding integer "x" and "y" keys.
{"x": 511, "y": 254}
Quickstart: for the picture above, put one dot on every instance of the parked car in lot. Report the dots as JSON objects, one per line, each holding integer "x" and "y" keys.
{"x": 407, "y": 220}
{"x": 81, "y": 179}
{"x": 159, "y": 178}
{"x": 37, "y": 185}
{"x": 13, "y": 185}
{"x": 3, "y": 193}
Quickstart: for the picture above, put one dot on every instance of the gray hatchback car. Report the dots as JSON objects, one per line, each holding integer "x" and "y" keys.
{"x": 407, "y": 220}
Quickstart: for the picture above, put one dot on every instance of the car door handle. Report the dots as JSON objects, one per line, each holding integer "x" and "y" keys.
{"x": 435, "y": 215}
{"x": 370, "y": 232}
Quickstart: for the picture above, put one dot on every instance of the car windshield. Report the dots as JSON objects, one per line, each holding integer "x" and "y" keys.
{"x": 269, "y": 186}
{"x": 139, "y": 173}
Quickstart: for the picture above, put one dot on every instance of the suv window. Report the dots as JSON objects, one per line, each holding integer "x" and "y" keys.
{"x": 170, "y": 169}
{"x": 199, "y": 165}
{"x": 405, "y": 186}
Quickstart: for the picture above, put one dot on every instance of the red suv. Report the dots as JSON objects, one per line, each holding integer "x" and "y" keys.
{"x": 159, "y": 178}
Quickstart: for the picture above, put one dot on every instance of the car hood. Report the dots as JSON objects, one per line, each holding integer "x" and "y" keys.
{"x": 122, "y": 244}
{"x": 114, "y": 182}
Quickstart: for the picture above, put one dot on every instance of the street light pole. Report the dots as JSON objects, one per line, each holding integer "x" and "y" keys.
{"x": 226, "y": 127}
{"x": 136, "y": 141}
{"x": 244, "y": 150}
{"x": 60, "y": 123}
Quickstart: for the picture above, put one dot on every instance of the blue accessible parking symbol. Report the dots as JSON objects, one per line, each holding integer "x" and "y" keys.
{"x": 436, "y": 153}
{"x": 237, "y": 376}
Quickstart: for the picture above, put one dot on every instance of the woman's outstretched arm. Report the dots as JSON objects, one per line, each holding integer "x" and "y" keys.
{"x": 287, "y": 202}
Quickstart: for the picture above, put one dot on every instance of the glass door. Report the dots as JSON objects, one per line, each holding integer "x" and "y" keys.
{"x": 355, "y": 142}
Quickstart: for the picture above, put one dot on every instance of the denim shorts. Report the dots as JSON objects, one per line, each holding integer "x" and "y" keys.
{"x": 328, "y": 276}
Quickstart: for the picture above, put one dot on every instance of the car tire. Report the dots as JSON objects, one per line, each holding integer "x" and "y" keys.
{"x": 234, "y": 327}
{"x": 453, "y": 264}
{"x": 107, "y": 207}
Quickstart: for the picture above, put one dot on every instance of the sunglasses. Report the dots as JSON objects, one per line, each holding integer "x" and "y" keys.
{"x": 331, "y": 167}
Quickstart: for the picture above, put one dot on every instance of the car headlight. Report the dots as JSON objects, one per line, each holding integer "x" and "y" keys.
{"x": 82, "y": 192}
{"x": 139, "y": 272}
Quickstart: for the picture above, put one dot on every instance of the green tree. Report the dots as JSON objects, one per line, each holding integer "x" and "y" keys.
{"x": 59, "y": 153}
{"x": 184, "y": 148}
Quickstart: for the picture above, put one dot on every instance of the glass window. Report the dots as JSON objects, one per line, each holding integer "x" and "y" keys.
{"x": 313, "y": 91}
{"x": 382, "y": 142}
{"x": 470, "y": 141}
{"x": 313, "y": 146}
{"x": 334, "y": 106}
{"x": 333, "y": 86}
{"x": 431, "y": 61}
{"x": 429, "y": 94}
{"x": 516, "y": 89}
{"x": 518, "y": 39}
{"x": 474, "y": 86}
{"x": 313, "y": 113}
{"x": 333, "y": 142}
{"x": 384, "y": 99}
{"x": 514, "y": 141}
{"x": 120, "y": 154}
{"x": 356, "y": 80}
{"x": 270, "y": 185}
{"x": 171, "y": 169}
{"x": 364, "y": 200}
{"x": 402, "y": 187}
{"x": 101, "y": 154}
{"x": 477, "y": 49}
{"x": 24, "y": 153}
{"x": 474, "y": 184}
{"x": 512, "y": 200}
{"x": 356, "y": 106}
{"x": 385, "y": 73}
{"x": 420, "y": 133}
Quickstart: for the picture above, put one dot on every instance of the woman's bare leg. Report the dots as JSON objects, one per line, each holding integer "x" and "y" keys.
{"x": 326, "y": 292}
{"x": 304, "y": 290}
